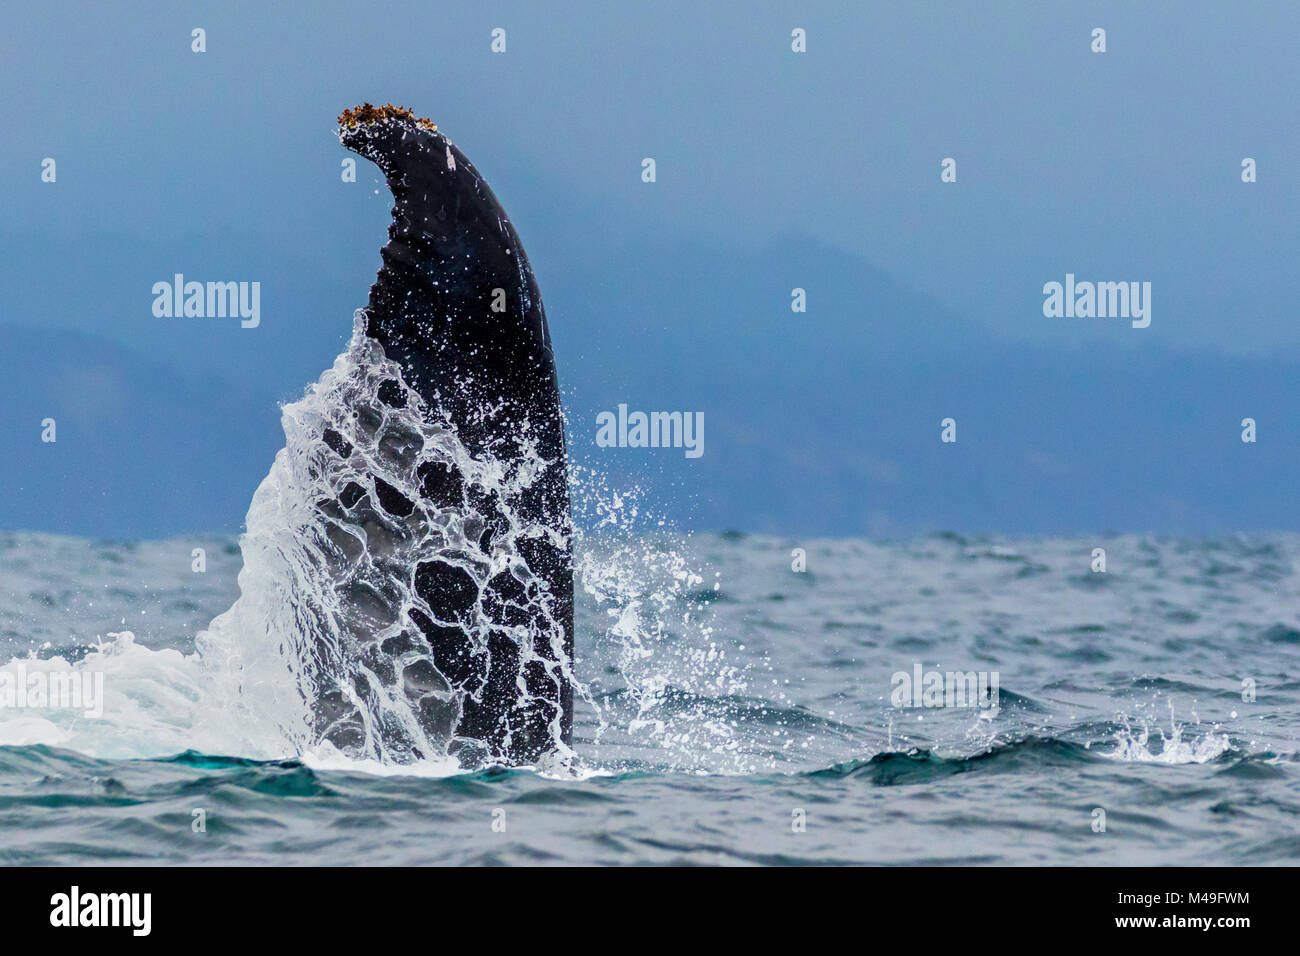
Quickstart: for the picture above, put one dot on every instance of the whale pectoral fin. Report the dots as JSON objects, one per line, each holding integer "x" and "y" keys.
{"x": 465, "y": 403}
{"x": 513, "y": 712}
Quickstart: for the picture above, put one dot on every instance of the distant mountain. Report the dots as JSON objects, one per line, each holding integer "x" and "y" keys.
{"x": 818, "y": 423}
{"x": 828, "y": 422}
{"x": 141, "y": 451}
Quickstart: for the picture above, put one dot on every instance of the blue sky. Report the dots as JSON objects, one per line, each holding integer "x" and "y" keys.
{"x": 775, "y": 170}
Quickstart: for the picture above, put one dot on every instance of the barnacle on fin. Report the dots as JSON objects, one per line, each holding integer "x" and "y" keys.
{"x": 388, "y": 113}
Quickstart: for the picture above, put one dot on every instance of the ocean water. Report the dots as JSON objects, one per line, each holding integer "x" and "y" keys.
{"x": 733, "y": 711}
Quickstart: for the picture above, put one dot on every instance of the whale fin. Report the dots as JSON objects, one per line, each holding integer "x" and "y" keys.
{"x": 456, "y": 307}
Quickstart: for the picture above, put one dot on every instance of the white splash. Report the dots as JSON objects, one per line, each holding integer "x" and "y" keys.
{"x": 249, "y": 689}
{"x": 324, "y": 624}
{"x": 1174, "y": 749}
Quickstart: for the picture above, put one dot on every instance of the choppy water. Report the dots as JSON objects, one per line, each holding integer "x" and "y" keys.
{"x": 730, "y": 698}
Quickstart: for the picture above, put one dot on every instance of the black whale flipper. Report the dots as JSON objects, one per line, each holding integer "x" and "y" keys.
{"x": 456, "y": 306}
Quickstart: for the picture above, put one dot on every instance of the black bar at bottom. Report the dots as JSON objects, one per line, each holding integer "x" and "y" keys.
{"x": 333, "y": 906}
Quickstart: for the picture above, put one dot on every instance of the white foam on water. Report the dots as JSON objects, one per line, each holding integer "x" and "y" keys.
{"x": 155, "y": 703}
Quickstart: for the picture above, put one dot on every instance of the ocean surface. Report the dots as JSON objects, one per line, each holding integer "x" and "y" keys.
{"x": 734, "y": 711}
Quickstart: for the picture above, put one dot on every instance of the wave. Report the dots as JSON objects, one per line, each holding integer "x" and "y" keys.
{"x": 921, "y": 765}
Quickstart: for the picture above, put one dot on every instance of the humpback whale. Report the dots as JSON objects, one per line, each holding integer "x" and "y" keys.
{"x": 481, "y": 647}
{"x": 407, "y": 589}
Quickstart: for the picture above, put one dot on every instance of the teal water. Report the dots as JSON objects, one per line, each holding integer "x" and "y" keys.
{"x": 737, "y": 712}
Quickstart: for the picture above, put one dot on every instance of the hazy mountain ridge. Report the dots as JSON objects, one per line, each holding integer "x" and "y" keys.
{"x": 823, "y": 422}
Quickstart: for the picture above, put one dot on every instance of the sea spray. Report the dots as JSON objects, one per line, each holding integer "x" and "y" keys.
{"x": 652, "y": 677}
{"x": 665, "y": 684}
{"x": 321, "y": 635}
{"x": 323, "y": 643}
